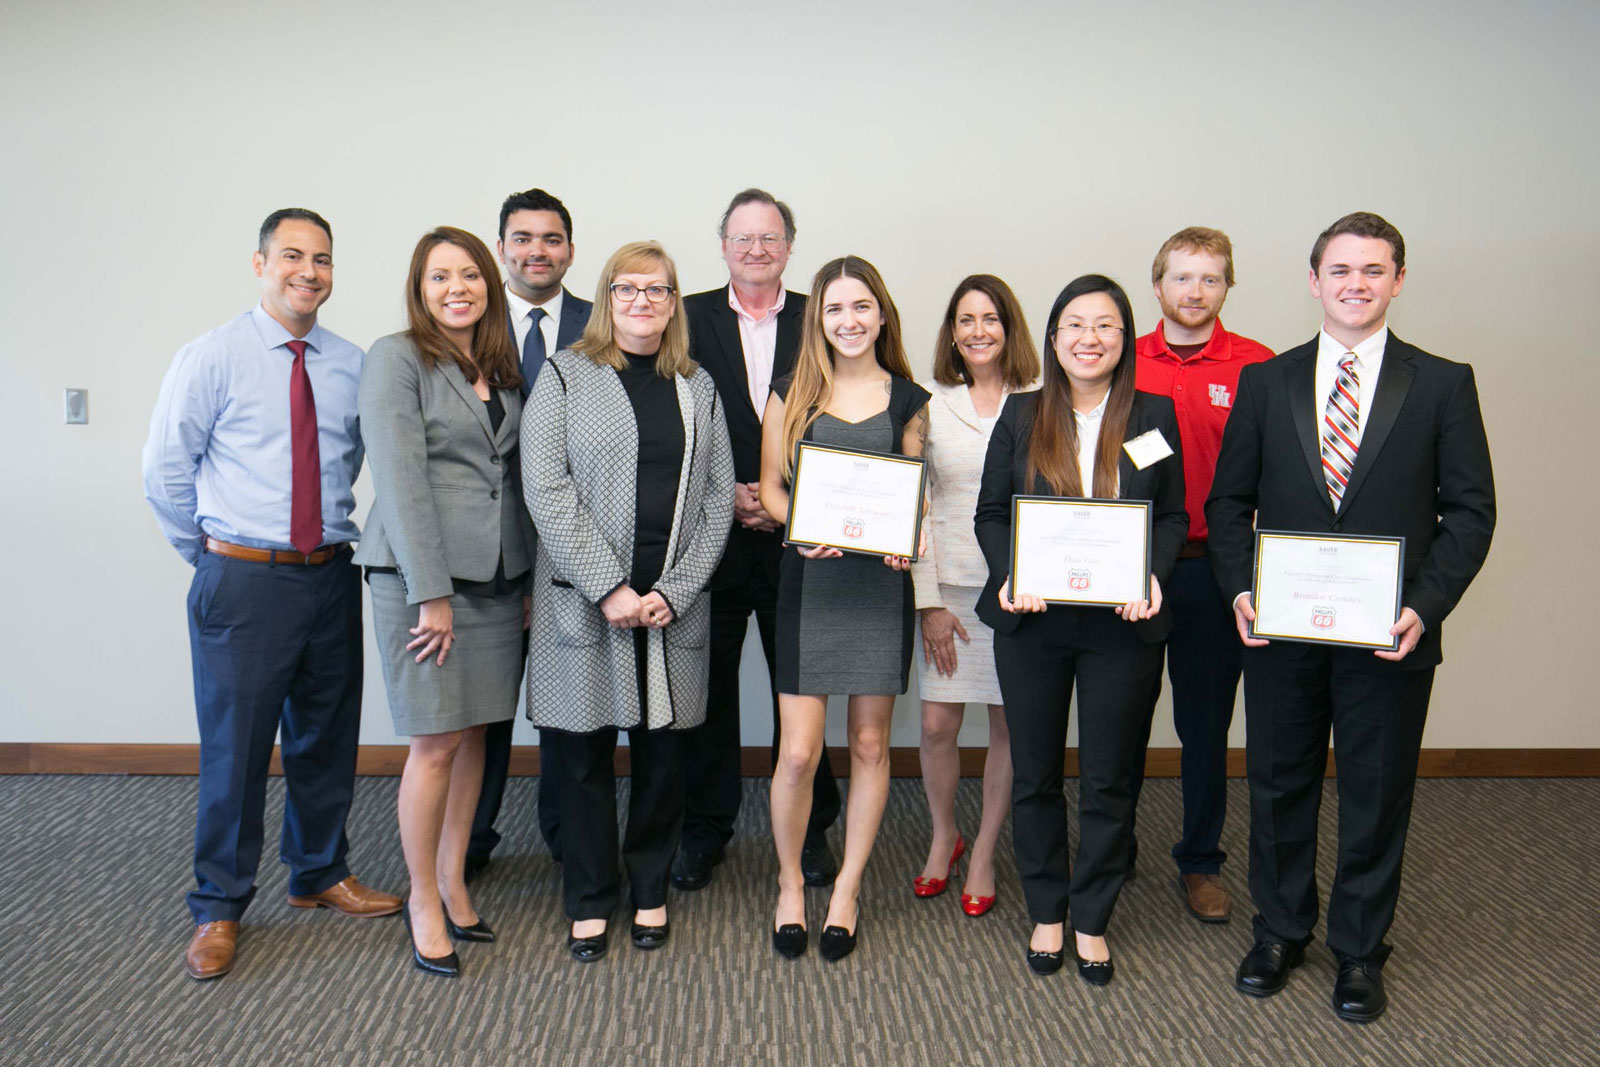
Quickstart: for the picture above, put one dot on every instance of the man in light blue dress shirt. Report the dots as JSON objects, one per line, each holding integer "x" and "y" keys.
{"x": 254, "y": 447}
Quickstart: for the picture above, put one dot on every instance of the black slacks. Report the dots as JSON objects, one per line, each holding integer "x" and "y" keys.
{"x": 1294, "y": 694}
{"x": 1114, "y": 671}
{"x": 711, "y": 751}
{"x": 1203, "y": 663}
{"x": 591, "y": 872}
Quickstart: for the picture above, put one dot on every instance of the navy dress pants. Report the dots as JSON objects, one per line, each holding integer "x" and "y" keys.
{"x": 274, "y": 646}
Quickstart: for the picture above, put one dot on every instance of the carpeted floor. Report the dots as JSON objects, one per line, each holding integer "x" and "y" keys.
{"x": 1497, "y": 959}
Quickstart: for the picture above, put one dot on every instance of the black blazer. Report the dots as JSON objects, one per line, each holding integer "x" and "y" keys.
{"x": 1422, "y": 472}
{"x": 574, "y": 317}
{"x": 1005, "y": 471}
{"x": 715, "y": 344}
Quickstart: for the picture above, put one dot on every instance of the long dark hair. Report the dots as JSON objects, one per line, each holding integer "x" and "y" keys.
{"x": 1053, "y": 447}
{"x": 493, "y": 354}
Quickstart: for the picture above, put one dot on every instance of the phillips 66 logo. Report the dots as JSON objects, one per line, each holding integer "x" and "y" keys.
{"x": 1078, "y": 578}
{"x": 1323, "y": 618}
{"x": 854, "y": 528}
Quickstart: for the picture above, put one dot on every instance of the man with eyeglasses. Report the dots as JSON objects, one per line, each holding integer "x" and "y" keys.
{"x": 535, "y": 247}
{"x": 1192, "y": 359}
{"x": 746, "y": 335}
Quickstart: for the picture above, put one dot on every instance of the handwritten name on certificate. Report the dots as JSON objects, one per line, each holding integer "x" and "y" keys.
{"x": 1073, "y": 551}
{"x": 855, "y": 500}
{"x": 1327, "y": 589}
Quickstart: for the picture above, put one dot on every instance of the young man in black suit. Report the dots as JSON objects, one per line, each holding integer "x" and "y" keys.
{"x": 1355, "y": 432}
{"x": 745, "y": 334}
{"x": 535, "y": 247}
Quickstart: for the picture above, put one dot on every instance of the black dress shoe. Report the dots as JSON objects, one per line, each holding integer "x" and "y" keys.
{"x": 474, "y": 866}
{"x": 588, "y": 949}
{"x": 817, "y": 865}
{"x": 1265, "y": 968}
{"x": 478, "y": 931}
{"x": 446, "y": 966}
{"x": 650, "y": 937}
{"x": 790, "y": 940}
{"x": 691, "y": 868}
{"x": 1358, "y": 995}
{"x": 1044, "y": 963}
{"x": 1095, "y": 972}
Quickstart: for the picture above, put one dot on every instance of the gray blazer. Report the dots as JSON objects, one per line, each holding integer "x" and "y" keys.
{"x": 447, "y": 503}
{"x": 580, "y": 453}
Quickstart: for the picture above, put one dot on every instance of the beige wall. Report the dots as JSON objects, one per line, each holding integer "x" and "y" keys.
{"x": 143, "y": 145}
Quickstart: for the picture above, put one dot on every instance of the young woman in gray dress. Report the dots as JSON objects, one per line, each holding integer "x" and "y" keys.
{"x": 844, "y": 623}
{"x": 448, "y": 548}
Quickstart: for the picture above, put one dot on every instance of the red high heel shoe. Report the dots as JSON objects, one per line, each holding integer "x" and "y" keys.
{"x": 976, "y": 906}
{"x": 932, "y": 887}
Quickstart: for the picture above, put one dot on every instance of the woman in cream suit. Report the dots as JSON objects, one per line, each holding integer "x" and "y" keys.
{"x": 984, "y": 353}
{"x": 447, "y": 548}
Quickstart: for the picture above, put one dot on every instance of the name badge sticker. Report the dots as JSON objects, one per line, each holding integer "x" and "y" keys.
{"x": 1149, "y": 447}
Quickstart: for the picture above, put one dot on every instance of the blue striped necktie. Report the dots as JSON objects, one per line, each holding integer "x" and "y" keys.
{"x": 1339, "y": 422}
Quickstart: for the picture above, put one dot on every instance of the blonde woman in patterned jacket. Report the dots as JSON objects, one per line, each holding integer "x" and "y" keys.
{"x": 983, "y": 354}
{"x": 629, "y": 478}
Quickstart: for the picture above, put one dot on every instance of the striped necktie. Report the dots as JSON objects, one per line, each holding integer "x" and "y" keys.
{"x": 1339, "y": 422}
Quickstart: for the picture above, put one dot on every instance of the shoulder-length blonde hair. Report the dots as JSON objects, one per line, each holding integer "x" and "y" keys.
{"x": 1019, "y": 359}
{"x": 812, "y": 386}
{"x": 599, "y": 341}
{"x": 493, "y": 354}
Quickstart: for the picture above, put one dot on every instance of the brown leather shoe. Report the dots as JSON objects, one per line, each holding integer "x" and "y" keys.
{"x": 211, "y": 950}
{"x": 1207, "y": 899}
{"x": 350, "y": 897}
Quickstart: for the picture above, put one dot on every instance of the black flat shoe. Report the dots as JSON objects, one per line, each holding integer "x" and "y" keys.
{"x": 650, "y": 937}
{"x": 1095, "y": 972}
{"x": 1265, "y": 968}
{"x": 1358, "y": 995}
{"x": 836, "y": 942}
{"x": 817, "y": 865}
{"x": 691, "y": 869}
{"x": 478, "y": 931}
{"x": 446, "y": 966}
{"x": 1044, "y": 963}
{"x": 588, "y": 949}
{"x": 790, "y": 940}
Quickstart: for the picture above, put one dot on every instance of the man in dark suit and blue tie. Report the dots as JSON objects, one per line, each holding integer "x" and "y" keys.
{"x": 1354, "y": 432}
{"x": 535, "y": 246}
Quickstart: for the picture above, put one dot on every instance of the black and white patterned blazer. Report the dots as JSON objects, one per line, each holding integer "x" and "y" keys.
{"x": 580, "y": 450}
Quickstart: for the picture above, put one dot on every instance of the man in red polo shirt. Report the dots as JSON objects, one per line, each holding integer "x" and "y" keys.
{"x": 1192, "y": 359}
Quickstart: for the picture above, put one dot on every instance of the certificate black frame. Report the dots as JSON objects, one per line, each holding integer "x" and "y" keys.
{"x": 1399, "y": 586}
{"x": 794, "y": 492}
{"x": 1149, "y": 531}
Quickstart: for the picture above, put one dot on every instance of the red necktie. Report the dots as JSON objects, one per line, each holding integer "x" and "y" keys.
{"x": 305, "y": 510}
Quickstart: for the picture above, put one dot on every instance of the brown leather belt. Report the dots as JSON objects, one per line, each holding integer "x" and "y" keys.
{"x": 1192, "y": 550}
{"x": 271, "y": 555}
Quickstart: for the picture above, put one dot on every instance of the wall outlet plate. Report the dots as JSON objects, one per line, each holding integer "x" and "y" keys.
{"x": 77, "y": 406}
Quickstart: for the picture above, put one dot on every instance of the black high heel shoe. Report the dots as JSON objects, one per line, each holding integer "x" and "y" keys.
{"x": 588, "y": 949}
{"x": 790, "y": 940}
{"x": 446, "y": 966}
{"x": 478, "y": 931}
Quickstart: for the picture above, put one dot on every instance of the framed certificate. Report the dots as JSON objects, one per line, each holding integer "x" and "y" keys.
{"x": 856, "y": 501}
{"x": 1072, "y": 550}
{"x": 1328, "y": 589}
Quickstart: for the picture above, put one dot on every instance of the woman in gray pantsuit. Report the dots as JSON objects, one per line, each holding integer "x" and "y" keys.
{"x": 448, "y": 548}
{"x": 629, "y": 477}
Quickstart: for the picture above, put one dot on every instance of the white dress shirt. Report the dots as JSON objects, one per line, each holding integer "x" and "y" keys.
{"x": 1369, "y": 361}
{"x": 548, "y": 326}
{"x": 1088, "y": 425}
{"x": 759, "y": 339}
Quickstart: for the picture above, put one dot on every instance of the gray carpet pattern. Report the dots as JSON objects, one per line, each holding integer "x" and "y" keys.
{"x": 1497, "y": 940}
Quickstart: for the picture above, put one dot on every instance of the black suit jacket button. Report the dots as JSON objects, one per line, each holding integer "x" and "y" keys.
{"x": 494, "y": 494}
{"x": 495, "y": 460}
{"x": 1338, "y": 526}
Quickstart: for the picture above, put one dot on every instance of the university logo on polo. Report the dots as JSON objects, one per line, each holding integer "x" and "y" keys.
{"x": 1220, "y": 397}
{"x": 854, "y": 528}
{"x": 1323, "y": 618}
{"x": 1078, "y": 578}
